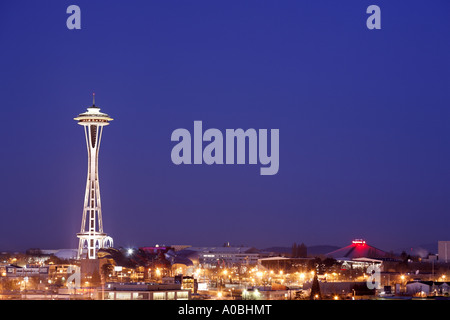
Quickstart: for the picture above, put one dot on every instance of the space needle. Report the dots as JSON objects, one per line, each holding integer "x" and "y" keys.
{"x": 91, "y": 235}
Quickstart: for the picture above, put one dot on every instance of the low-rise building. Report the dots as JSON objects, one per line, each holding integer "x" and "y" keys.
{"x": 283, "y": 263}
{"x": 143, "y": 291}
{"x": 426, "y": 288}
{"x": 211, "y": 257}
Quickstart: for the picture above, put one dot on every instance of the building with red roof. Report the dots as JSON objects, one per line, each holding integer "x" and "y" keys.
{"x": 358, "y": 249}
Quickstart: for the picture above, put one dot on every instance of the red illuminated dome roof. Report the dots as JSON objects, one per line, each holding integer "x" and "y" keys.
{"x": 357, "y": 249}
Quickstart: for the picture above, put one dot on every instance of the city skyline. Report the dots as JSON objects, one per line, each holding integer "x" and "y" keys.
{"x": 363, "y": 118}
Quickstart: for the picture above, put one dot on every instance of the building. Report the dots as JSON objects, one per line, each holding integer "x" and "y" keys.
{"x": 269, "y": 294}
{"x": 444, "y": 251}
{"x": 342, "y": 289}
{"x": 66, "y": 254}
{"x": 358, "y": 255}
{"x": 58, "y": 272}
{"x": 284, "y": 264}
{"x": 143, "y": 291}
{"x": 28, "y": 271}
{"x": 212, "y": 257}
{"x": 357, "y": 249}
{"x": 426, "y": 288}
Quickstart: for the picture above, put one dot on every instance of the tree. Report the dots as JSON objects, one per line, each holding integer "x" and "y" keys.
{"x": 299, "y": 251}
{"x": 302, "y": 251}
{"x": 107, "y": 269}
{"x": 294, "y": 250}
{"x": 315, "y": 289}
{"x": 402, "y": 266}
{"x": 404, "y": 256}
{"x": 329, "y": 262}
{"x": 315, "y": 264}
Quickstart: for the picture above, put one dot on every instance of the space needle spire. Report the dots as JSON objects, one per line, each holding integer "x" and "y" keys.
{"x": 91, "y": 234}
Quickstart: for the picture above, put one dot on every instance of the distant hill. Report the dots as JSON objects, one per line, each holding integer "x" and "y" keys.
{"x": 280, "y": 250}
{"x": 321, "y": 249}
{"x": 312, "y": 250}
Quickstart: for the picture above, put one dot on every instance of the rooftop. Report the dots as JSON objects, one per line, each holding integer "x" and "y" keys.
{"x": 357, "y": 249}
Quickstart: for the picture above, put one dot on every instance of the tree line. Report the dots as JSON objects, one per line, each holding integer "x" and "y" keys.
{"x": 299, "y": 251}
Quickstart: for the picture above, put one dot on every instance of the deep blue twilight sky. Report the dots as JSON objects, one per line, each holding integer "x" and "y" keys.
{"x": 364, "y": 120}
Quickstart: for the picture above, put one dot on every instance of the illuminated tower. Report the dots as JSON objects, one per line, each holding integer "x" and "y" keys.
{"x": 91, "y": 235}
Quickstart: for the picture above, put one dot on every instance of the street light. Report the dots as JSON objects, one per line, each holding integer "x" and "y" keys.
{"x": 246, "y": 295}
